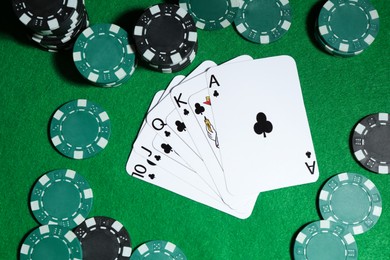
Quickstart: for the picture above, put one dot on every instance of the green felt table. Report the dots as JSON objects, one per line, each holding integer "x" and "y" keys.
{"x": 337, "y": 93}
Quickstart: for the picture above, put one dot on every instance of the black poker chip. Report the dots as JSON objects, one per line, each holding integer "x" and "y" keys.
{"x": 104, "y": 238}
{"x": 44, "y": 15}
{"x": 177, "y": 67}
{"x": 165, "y": 36}
{"x": 371, "y": 142}
{"x": 52, "y": 25}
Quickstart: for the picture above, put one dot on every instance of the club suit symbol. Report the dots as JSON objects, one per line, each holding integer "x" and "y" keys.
{"x": 180, "y": 126}
{"x": 199, "y": 109}
{"x": 167, "y": 148}
{"x": 262, "y": 126}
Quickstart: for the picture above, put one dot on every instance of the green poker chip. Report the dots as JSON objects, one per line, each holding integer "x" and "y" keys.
{"x": 104, "y": 55}
{"x": 119, "y": 82}
{"x": 325, "y": 240}
{"x": 158, "y": 250}
{"x": 351, "y": 200}
{"x": 80, "y": 129}
{"x": 61, "y": 197}
{"x": 348, "y": 26}
{"x": 263, "y": 21}
{"x": 331, "y": 50}
{"x": 211, "y": 14}
{"x": 51, "y": 242}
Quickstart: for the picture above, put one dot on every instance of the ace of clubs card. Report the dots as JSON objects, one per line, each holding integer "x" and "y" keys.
{"x": 264, "y": 135}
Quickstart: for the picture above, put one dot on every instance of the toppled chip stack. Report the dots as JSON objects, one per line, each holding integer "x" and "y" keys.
{"x": 166, "y": 38}
{"x": 53, "y": 25}
{"x": 104, "y": 55}
{"x": 346, "y": 28}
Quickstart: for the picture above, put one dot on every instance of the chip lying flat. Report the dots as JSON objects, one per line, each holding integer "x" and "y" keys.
{"x": 80, "y": 129}
{"x": 61, "y": 197}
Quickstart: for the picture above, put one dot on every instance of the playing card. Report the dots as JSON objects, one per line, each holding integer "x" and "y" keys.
{"x": 263, "y": 132}
{"x": 138, "y": 167}
{"x": 180, "y": 95}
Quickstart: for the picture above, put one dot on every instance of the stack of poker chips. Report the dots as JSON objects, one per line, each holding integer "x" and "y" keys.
{"x": 166, "y": 38}
{"x": 346, "y": 28}
{"x": 53, "y": 25}
{"x": 104, "y": 55}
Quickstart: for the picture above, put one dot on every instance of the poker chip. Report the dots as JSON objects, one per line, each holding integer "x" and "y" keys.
{"x": 80, "y": 129}
{"x": 64, "y": 41}
{"x": 325, "y": 240}
{"x": 44, "y": 15}
{"x": 263, "y": 21}
{"x": 51, "y": 242}
{"x": 104, "y": 238}
{"x": 211, "y": 15}
{"x": 61, "y": 197}
{"x": 348, "y": 27}
{"x": 104, "y": 55}
{"x": 371, "y": 142}
{"x": 352, "y": 200}
{"x": 52, "y": 25}
{"x": 178, "y": 67}
{"x": 331, "y": 50}
{"x": 158, "y": 250}
{"x": 119, "y": 82}
{"x": 165, "y": 37}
